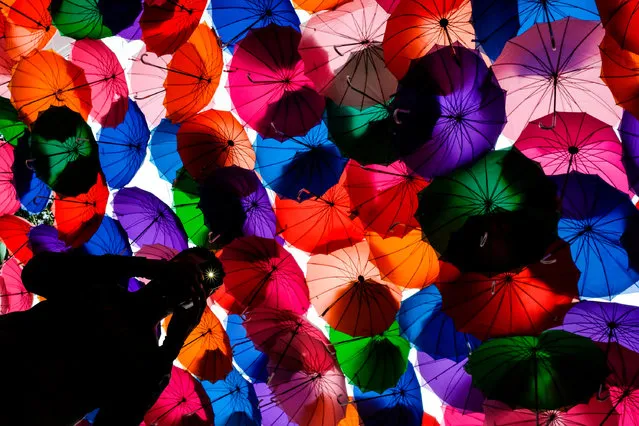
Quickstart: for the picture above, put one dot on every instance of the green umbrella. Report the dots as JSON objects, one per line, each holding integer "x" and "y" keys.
{"x": 11, "y": 128}
{"x": 372, "y": 363}
{"x": 557, "y": 369}
{"x": 499, "y": 214}
{"x": 94, "y": 19}
{"x": 64, "y": 151}
{"x": 186, "y": 197}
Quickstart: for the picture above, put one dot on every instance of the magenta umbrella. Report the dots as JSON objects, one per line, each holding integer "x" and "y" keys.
{"x": 268, "y": 86}
{"x": 13, "y": 296}
{"x": 577, "y": 143}
{"x": 9, "y": 202}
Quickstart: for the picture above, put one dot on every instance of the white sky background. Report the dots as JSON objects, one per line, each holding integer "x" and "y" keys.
{"x": 148, "y": 179}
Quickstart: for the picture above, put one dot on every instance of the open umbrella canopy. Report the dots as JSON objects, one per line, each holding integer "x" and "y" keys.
{"x": 619, "y": 72}
{"x": 629, "y": 134}
{"x": 13, "y": 296}
{"x": 617, "y": 17}
{"x": 231, "y": 396}
{"x": 11, "y": 127}
{"x": 9, "y": 201}
{"x": 186, "y": 200}
{"x": 14, "y": 234}
{"x": 93, "y": 19}
{"x": 164, "y": 152}
{"x": 623, "y": 384}
{"x": 167, "y": 25}
{"x": 109, "y": 238}
{"x": 28, "y": 27}
{"x": 250, "y": 360}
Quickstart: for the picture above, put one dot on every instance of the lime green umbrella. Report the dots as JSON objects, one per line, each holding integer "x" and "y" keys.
{"x": 11, "y": 128}
{"x": 94, "y": 19}
{"x": 64, "y": 151}
{"x": 557, "y": 369}
{"x": 372, "y": 363}
{"x": 186, "y": 197}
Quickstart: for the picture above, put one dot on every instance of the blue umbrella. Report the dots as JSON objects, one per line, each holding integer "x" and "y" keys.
{"x": 310, "y": 162}
{"x": 110, "y": 238}
{"x": 164, "y": 153}
{"x": 250, "y": 360}
{"x": 397, "y": 406}
{"x": 34, "y": 193}
{"x": 233, "y": 19}
{"x": 231, "y": 396}
{"x": 497, "y": 21}
{"x": 423, "y": 323}
{"x": 123, "y": 148}
{"x": 601, "y": 225}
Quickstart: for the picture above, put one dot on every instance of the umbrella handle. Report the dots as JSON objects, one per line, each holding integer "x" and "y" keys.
{"x": 340, "y": 400}
{"x": 396, "y": 113}
{"x": 546, "y": 260}
{"x": 276, "y": 130}
{"x": 303, "y": 191}
{"x": 599, "y": 392}
{"x": 29, "y": 164}
{"x": 552, "y": 125}
{"x": 214, "y": 239}
{"x": 337, "y": 51}
{"x": 483, "y": 239}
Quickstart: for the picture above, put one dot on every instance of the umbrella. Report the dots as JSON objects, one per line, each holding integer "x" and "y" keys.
{"x": 343, "y": 56}
{"x": 184, "y": 396}
{"x": 14, "y": 234}
{"x": 539, "y": 373}
{"x": 400, "y": 405}
{"x": 605, "y": 322}
{"x": 291, "y": 341}
{"x": 306, "y": 163}
{"x": 46, "y": 238}
{"x": 455, "y": 417}
{"x": 122, "y": 149}
{"x": 598, "y": 222}
{"x": 6, "y": 63}
{"x": 272, "y": 414}
{"x": 309, "y": 397}
{"x": 9, "y": 201}
{"x": 629, "y": 133}
{"x": 65, "y": 157}
{"x": 93, "y": 19}
{"x": 577, "y": 142}
{"x": 231, "y": 396}
{"x": 320, "y": 224}
{"x": 186, "y": 200}
{"x": 77, "y": 218}
{"x": 384, "y": 197}
{"x": 46, "y": 79}
{"x": 251, "y": 361}
{"x": 618, "y": 17}
{"x": 619, "y": 72}
{"x": 523, "y": 302}
{"x": 164, "y": 153}
{"x": 407, "y": 262}
{"x": 449, "y": 380}
{"x": 471, "y": 104}
{"x": 314, "y": 6}
{"x": 147, "y": 220}
{"x": 28, "y": 27}
{"x": 494, "y": 216}
{"x": 352, "y": 417}
{"x": 110, "y": 238}
{"x": 213, "y": 139}
{"x": 268, "y": 87}
{"x": 260, "y": 272}
{"x": 388, "y": 5}
{"x": 234, "y": 19}
{"x": 168, "y": 25}
{"x": 424, "y": 324}
{"x": 34, "y": 193}
{"x": 147, "y": 75}
{"x": 109, "y": 93}
{"x": 541, "y": 80}
{"x": 623, "y": 384}
{"x": 13, "y": 296}
{"x": 207, "y": 351}
{"x": 372, "y": 363}
{"x": 416, "y": 26}
{"x": 11, "y": 127}
{"x": 496, "y": 22}
{"x": 347, "y": 291}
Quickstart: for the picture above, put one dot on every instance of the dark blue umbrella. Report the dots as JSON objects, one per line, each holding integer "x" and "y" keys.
{"x": 110, "y": 238}
{"x": 423, "y": 323}
{"x": 250, "y": 360}
{"x": 123, "y": 148}
{"x": 231, "y": 396}
{"x": 629, "y": 132}
{"x": 34, "y": 193}
{"x": 602, "y": 227}
{"x": 310, "y": 162}
{"x": 397, "y": 406}
{"x": 164, "y": 153}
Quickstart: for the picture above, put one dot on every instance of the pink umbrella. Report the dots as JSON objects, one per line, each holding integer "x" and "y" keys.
{"x": 268, "y": 86}
{"x": 157, "y": 252}
{"x": 109, "y": 90}
{"x": 342, "y": 54}
{"x": 310, "y": 397}
{"x": 183, "y": 398}
{"x": 9, "y": 202}
{"x": 13, "y": 296}
{"x": 623, "y": 383}
{"x": 541, "y": 80}
{"x": 579, "y": 143}
{"x": 147, "y": 84}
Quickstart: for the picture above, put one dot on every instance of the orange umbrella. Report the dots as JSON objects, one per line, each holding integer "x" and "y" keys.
{"x": 46, "y": 79}
{"x": 408, "y": 261}
{"x": 6, "y": 63}
{"x": 213, "y": 139}
{"x": 620, "y": 72}
{"x": 167, "y": 25}
{"x": 14, "y": 233}
{"x": 207, "y": 351}
{"x": 347, "y": 291}
{"x": 77, "y": 218}
{"x": 416, "y": 26}
{"x": 28, "y": 28}
{"x": 351, "y": 418}
{"x": 314, "y": 6}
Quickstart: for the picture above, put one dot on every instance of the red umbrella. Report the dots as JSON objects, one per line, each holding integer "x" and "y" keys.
{"x": 620, "y": 18}
{"x": 260, "y": 272}
{"x": 384, "y": 197}
{"x": 524, "y": 302}
{"x": 347, "y": 291}
{"x": 77, "y": 218}
{"x": 268, "y": 86}
{"x": 6, "y": 62}
{"x": 13, "y": 296}
{"x": 9, "y": 201}
{"x": 168, "y": 25}
{"x": 455, "y": 417}
{"x": 14, "y": 233}
{"x": 620, "y": 72}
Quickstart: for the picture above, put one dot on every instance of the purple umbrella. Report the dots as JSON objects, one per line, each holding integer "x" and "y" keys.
{"x": 472, "y": 105}
{"x": 605, "y": 322}
{"x": 451, "y": 383}
{"x": 629, "y": 133}
{"x": 134, "y": 32}
{"x": 45, "y": 238}
{"x": 272, "y": 414}
{"x": 147, "y": 220}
